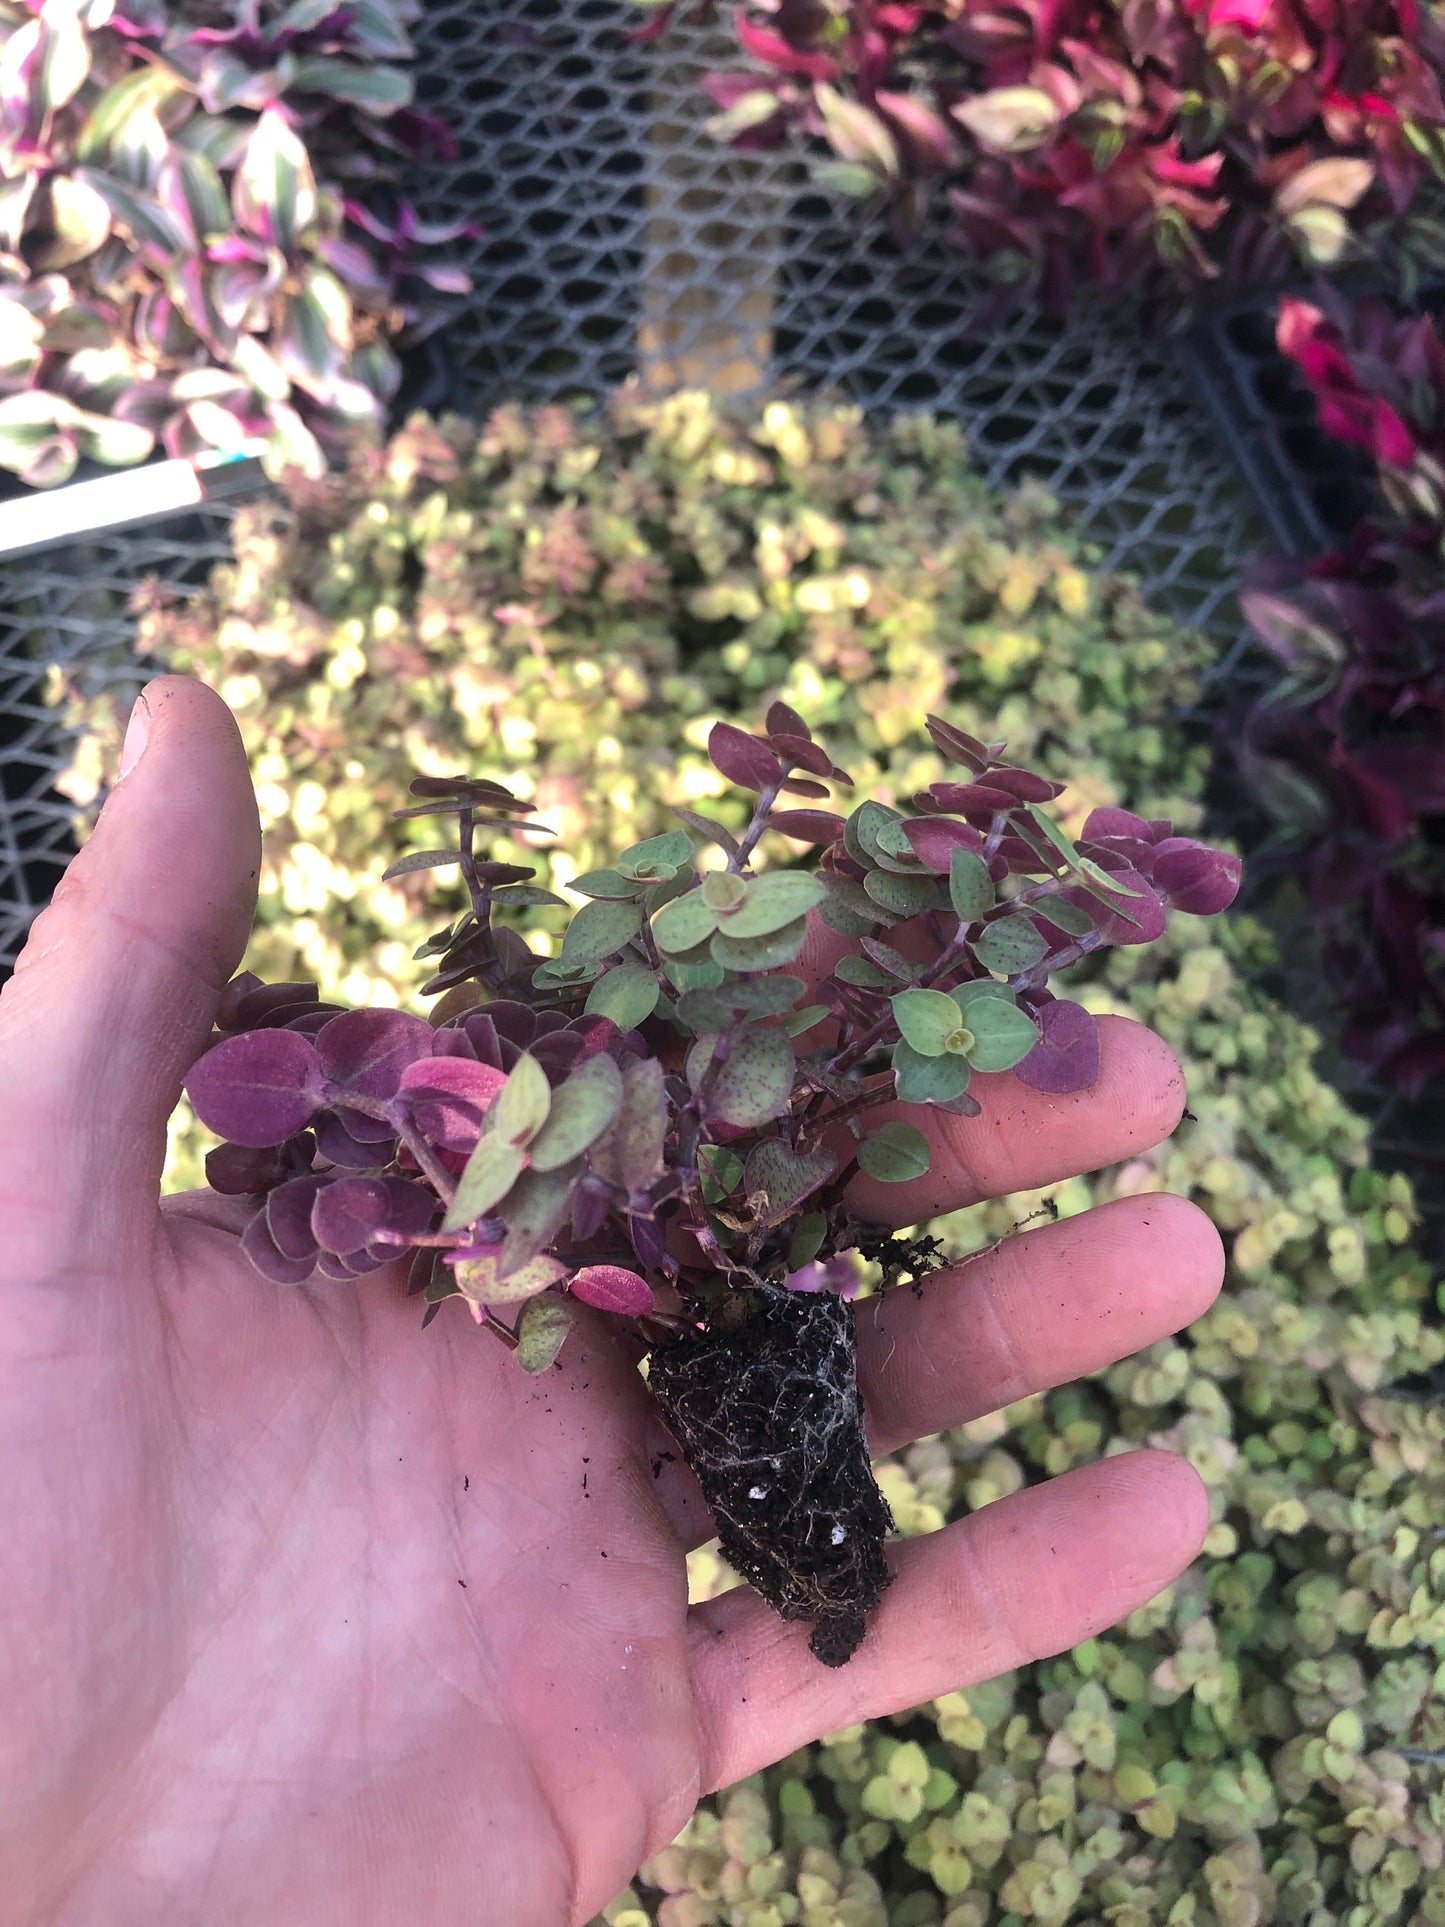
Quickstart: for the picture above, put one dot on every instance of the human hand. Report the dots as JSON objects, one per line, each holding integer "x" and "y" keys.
{"x": 305, "y": 1616}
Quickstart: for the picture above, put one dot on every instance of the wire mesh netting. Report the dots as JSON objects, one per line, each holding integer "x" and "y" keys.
{"x": 619, "y": 240}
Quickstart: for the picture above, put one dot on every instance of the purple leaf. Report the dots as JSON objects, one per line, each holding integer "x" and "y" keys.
{"x": 1126, "y": 919}
{"x": 612, "y": 1288}
{"x": 935, "y": 838}
{"x": 240, "y": 1170}
{"x": 260, "y": 1247}
{"x": 1066, "y": 1057}
{"x": 808, "y": 826}
{"x": 288, "y": 1217}
{"x": 257, "y": 1089}
{"x": 449, "y": 1097}
{"x": 347, "y": 1212}
{"x": 743, "y": 759}
{"x": 648, "y": 1241}
{"x": 411, "y": 1211}
{"x": 338, "y": 1145}
{"x": 366, "y": 1051}
{"x": 1111, "y": 823}
{"x": 1195, "y": 878}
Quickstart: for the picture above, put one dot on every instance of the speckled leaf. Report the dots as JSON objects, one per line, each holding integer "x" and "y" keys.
{"x": 1002, "y": 1034}
{"x": 542, "y": 1331}
{"x": 970, "y": 887}
{"x": 1010, "y": 945}
{"x": 684, "y": 923}
{"x": 777, "y": 898}
{"x": 599, "y": 929}
{"x": 534, "y": 1208}
{"x": 630, "y": 1153}
{"x": 785, "y": 1177}
{"x": 581, "y": 1111}
{"x": 926, "y": 1019}
{"x": 491, "y": 1171}
{"x": 613, "y": 1288}
{"x": 628, "y": 995}
{"x": 486, "y": 1281}
{"x": 523, "y": 1102}
{"x": 755, "y": 1083}
{"x": 903, "y": 896}
{"x": 760, "y": 953}
{"x": 928, "y": 1080}
{"x": 895, "y": 1154}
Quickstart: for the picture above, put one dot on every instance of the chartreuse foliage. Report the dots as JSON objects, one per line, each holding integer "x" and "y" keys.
{"x": 1245, "y": 1748}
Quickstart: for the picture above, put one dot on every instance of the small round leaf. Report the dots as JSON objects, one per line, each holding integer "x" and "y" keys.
{"x": 895, "y": 1154}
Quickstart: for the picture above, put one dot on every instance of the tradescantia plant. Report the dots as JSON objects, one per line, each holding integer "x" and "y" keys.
{"x": 192, "y": 253}
{"x": 663, "y": 1120}
{"x": 1161, "y": 142}
{"x": 1349, "y": 750}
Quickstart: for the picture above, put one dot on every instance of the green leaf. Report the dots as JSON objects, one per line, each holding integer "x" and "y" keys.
{"x": 862, "y": 971}
{"x": 518, "y": 896}
{"x": 381, "y": 90}
{"x": 542, "y": 1330}
{"x": 491, "y": 1171}
{"x": 926, "y": 1020}
{"x": 970, "y": 887}
{"x": 903, "y": 896}
{"x": 581, "y": 1109}
{"x": 721, "y": 1172}
{"x": 693, "y": 975}
{"x": 1061, "y": 842}
{"x": 785, "y": 1177}
{"x": 798, "y": 1021}
{"x": 1066, "y": 915}
{"x": 1115, "y": 885}
{"x": 807, "y": 1239}
{"x": 964, "y": 994}
{"x": 607, "y": 883}
{"x": 928, "y": 1080}
{"x": 520, "y": 1108}
{"x": 860, "y": 831}
{"x": 630, "y": 1153}
{"x": 1003, "y": 1035}
{"x": 760, "y": 953}
{"x": 628, "y": 995}
{"x": 484, "y": 1282}
{"x": 1010, "y": 945}
{"x": 755, "y": 1084}
{"x": 777, "y": 898}
{"x": 895, "y": 1154}
{"x": 684, "y": 923}
{"x": 599, "y": 930}
{"x": 657, "y": 857}
{"x": 420, "y": 860}
{"x": 849, "y": 909}
{"x": 535, "y": 1207}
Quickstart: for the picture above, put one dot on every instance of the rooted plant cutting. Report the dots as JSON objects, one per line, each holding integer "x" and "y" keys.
{"x": 664, "y": 1120}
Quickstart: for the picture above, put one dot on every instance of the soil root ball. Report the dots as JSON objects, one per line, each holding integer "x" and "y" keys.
{"x": 763, "y": 1400}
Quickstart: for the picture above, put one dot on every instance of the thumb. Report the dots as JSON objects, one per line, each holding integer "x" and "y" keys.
{"x": 116, "y": 989}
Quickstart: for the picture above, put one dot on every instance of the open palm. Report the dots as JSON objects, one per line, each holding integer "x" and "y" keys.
{"x": 307, "y": 1617}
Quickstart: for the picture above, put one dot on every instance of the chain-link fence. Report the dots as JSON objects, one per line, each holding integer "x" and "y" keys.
{"x": 619, "y": 240}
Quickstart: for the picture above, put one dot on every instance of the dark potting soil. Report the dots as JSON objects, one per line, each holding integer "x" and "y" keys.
{"x": 764, "y": 1402}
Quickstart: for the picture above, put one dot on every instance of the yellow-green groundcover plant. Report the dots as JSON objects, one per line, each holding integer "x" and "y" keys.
{"x": 540, "y": 601}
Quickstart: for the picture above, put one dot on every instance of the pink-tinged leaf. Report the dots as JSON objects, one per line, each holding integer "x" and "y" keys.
{"x": 257, "y": 1089}
{"x": 366, "y": 1051}
{"x": 1195, "y": 878}
{"x": 775, "y": 52}
{"x": 808, "y": 826}
{"x": 799, "y": 752}
{"x": 611, "y": 1288}
{"x": 260, "y": 1247}
{"x": 1066, "y": 1057}
{"x": 743, "y": 759}
{"x": 273, "y": 194}
{"x": 288, "y": 1217}
{"x": 449, "y": 1098}
{"x": 924, "y": 136}
{"x": 935, "y": 838}
{"x": 1102, "y": 823}
{"x": 1124, "y": 918}
{"x": 957, "y": 745}
{"x": 1024, "y": 784}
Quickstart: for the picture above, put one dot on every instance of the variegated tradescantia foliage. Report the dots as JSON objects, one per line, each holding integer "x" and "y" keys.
{"x": 186, "y": 260}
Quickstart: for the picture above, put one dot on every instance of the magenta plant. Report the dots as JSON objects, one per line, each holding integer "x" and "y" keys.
{"x": 192, "y": 251}
{"x": 1349, "y": 750}
{"x": 663, "y": 1120}
{"x": 1162, "y": 142}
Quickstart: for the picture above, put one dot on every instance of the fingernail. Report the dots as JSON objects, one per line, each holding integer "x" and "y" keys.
{"x": 137, "y": 732}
